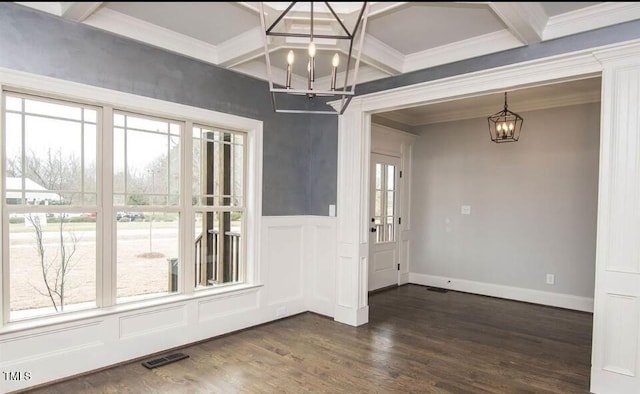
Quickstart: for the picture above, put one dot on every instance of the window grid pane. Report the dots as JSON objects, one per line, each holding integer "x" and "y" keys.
{"x": 148, "y": 245}
{"x": 50, "y": 152}
{"x": 146, "y": 161}
{"x": 218, "y": 166}
{"x": 218, "y": 248}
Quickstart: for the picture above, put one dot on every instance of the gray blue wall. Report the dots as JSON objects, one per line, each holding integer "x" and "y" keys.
{"x": 300, "y": 151}
{"x": 515, "y": 234}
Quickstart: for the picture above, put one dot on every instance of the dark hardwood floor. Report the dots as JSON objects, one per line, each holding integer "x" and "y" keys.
{"x": 416, "y": 341}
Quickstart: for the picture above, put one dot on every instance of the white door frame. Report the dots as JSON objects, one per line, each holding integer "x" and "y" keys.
{"x": 615, "y": 355}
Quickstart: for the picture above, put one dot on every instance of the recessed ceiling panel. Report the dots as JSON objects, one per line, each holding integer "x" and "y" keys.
{"x": 417, "y": 27}
{"x": 553, "y": 8}
{"x": 212, "y": 22}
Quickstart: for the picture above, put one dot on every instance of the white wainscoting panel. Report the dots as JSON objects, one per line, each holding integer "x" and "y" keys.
{"x": 226, "y": 305}
{"x": 321, "y": 254}
{"x": 147, "y": 322}
{"x": 621, "y": 334}
{"x": 284, "y": 249}
{"x": 296, "y": 272}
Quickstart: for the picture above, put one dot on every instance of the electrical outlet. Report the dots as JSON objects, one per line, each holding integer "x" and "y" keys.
{"x": 465, "y": 210}
{"x": 332, "y": 210}
{"x": 551, "y": 279}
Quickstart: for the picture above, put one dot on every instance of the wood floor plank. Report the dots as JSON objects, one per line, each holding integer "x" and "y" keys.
{"x": 416, "y": 341}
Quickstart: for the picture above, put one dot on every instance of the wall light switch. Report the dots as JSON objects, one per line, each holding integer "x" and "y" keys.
{"x": 332, "y": 210}
{"x": 551, "y": 279}
{"x": 465, "y": 210}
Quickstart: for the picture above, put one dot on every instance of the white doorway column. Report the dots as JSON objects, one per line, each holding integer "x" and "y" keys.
{"x": 616, "y": 354}
{"x": 354, "y": 147}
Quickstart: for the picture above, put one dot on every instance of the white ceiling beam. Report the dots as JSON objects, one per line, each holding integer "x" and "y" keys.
{"x": 382, "y": 7}
{"x": 137, "y": 29}
{"x": 485, "y": 44}
{"x": 526, "y": 21}
{"x": 242, "y": 48}
{"x": 381, "y": 56}
{"x": 51, "y": 7}
{"x": 78, "y": 11}
{"x": 590, "y": 18}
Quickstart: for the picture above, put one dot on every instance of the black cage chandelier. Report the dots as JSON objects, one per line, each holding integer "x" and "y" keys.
{"x": 505, "y": 126}
{"x": 327, "y": 33}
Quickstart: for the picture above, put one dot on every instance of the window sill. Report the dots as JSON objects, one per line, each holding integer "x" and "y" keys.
{"x": 72, "y": 317}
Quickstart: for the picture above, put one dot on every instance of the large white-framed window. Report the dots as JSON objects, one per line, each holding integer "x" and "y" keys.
{"x": 136, "y": 196}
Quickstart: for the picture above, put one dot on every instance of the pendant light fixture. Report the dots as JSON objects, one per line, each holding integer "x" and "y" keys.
{"x": 505, "y": 126}
{"x": 316, "y": 35}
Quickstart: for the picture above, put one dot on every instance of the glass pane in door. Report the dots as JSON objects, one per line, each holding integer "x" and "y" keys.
{"x": 384, "y": 210}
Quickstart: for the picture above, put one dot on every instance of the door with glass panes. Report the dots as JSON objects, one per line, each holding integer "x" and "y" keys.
{"x": 383, "y": 225}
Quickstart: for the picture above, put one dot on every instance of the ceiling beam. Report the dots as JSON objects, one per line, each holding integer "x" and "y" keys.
{"x": 51, "y": 7}
{"x": 381, "y": 56}
{"x": 526, "y": 21}
{"x": 242, "y": 48}
{"x": 78, "y": 11}
{"x": 382, "y": 7}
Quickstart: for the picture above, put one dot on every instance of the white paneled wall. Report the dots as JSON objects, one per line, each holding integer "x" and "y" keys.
{"x": 297, "y": 274}
{"x": 320, "y": 264}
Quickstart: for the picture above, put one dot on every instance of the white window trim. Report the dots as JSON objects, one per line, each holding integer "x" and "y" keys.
{"x": 109, "y": 100}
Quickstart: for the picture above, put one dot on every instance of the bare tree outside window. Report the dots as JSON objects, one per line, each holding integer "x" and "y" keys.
{"x": 56, "y": 269}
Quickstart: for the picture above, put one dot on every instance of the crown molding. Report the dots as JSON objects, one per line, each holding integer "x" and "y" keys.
{"x": 242, "y": 48}
{"x": 537, "y": 104}
{"x": 148, "y": 33}
{"x": 476, "y": 46}
{"x": 590, "y": 18}
{"x": 397, "y": 117}
{"x": 78, "y": 11}
{"x": 382, "y": 7}
{"x": 50, "y": 7}
{"x": 382, "y": 56}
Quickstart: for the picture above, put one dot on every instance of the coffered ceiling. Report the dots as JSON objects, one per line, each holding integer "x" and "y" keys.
{"x": 400, "y": 37}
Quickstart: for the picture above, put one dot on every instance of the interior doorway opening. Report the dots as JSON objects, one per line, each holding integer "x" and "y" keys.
{"x": 515, "y": 221}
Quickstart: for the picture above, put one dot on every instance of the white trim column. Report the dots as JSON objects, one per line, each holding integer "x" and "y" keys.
{"x": 354, "y": 152}
{"x": 616, "y": 333}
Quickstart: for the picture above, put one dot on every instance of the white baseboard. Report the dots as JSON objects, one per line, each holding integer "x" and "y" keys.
{"x": 567, "y": 301}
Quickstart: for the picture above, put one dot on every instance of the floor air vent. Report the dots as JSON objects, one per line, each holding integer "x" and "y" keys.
{"x": 437, "y": 289}
{"x": 164, "y": 360}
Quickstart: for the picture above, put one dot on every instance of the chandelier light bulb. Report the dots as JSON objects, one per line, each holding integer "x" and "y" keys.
{"x": 498, "y": 127}
{"x": 336, "y": 60}
{"x": 312, "y": 49}
{"x": 510, "y": 126}
{"x": 290, "y": 57}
